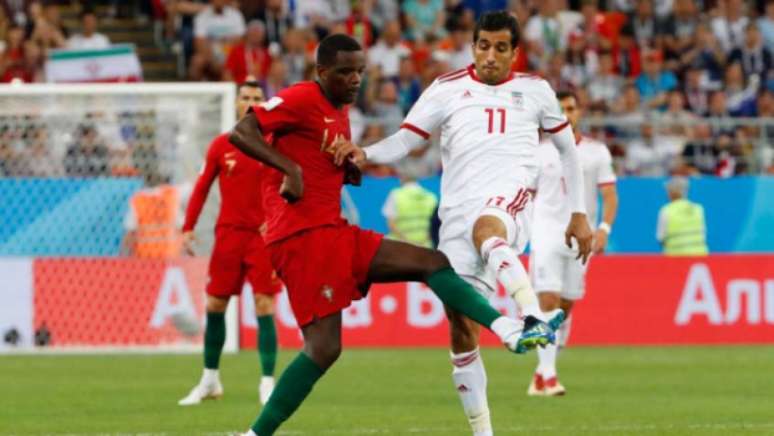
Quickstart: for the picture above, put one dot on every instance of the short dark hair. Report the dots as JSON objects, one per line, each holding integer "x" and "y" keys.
{"x": 249, "y": 84}
{"x": 87, "y": 11}
{"x": 331, "y": 45}
{"x": 565, "y": 93}
{"x": 499, "y": 20}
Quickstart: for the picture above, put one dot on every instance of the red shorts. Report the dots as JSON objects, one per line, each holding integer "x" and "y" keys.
{"x": 238, "y": 255}
{"x": 324, "y": 268}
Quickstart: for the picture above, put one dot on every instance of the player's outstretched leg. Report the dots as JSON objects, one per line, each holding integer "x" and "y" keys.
{"x": 322, "y": 346}
{"x": 398, "y": 261}
{"x": 493, "y": 234}
{"x": 210, "y": 387}
{"x": 267, "y": 344}
{"x": 468, "y": 372}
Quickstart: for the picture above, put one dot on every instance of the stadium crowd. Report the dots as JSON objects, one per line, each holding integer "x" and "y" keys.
{"x": 673, "y": 86}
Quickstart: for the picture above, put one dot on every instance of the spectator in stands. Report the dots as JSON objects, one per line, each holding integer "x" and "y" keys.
{"x": 384, "y": 106}
{"x": 766, "y": 26}
{"x": 644, "y": 157}
{"x": 740, "y": 91}
{"x": 358, "y": 24}
{"x": 388, "y": 51}
{"x": 580, "y": 63}
{"x": 605, "y": 86}
{"x": 409, "y": 88}
{"x": 626, "y": 55}
{"x": 295, "y": 55}
{"x": 249, "y": 57}
{"x": 276, "y": 79}
{"x": 89, "y": 38}
{"x": 655, "y": 81}
{"x": 543, "y": 33}
{"x": 277, "y": 21}
{"x": 21, "y": 61}
{"x": 642, "y": 24}
{"x": 217, "y": 28}
{"x": 38, "y": 157}
{"x": 383, "y": 12}
{"x": 695, "y": 91}
{"x": 458, "y": 47}
{"x": 706, "y": 54}
{"x": 424, "y": 18}
{"x": 677, "y": 30}
{"x": 730, "y": 24}
{"x": 49, "y": 32}
{"x": 753, "y": 56}
{"x": 87, "y": 156}
{"x": 628, "y": 107}
{"x": 17, "y": 12}
{"x": 700, "y": 154}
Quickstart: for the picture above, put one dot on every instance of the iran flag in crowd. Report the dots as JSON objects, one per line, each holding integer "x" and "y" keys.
{"x": 118, "y": 63}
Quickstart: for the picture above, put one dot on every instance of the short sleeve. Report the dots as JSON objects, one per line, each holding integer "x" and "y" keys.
{"x": 551, "y": 117}
{"x": 605, "y": 172}
{"x": 280, "y": 113}
{"x": 427, "y": 113}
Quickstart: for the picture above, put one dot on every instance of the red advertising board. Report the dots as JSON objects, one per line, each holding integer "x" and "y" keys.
{"x": 630, "y": 300}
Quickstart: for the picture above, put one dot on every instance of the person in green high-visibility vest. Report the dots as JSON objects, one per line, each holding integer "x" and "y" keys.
{"x": 681, "y": 229}
{"x": 408, "y": 210}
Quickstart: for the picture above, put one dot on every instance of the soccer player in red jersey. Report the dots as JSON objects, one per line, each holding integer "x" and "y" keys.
{"x": 239, "y": 254}
{"x": 325, "y": 262}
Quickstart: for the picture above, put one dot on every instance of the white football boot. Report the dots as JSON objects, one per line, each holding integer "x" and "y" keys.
{"x": 205, "y": 390}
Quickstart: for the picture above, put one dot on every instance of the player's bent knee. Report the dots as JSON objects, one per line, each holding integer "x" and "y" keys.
{"x": 436, "y": 261}
{"x": 264, "y": 305}
{"x": 324, "y": 355}
{"x": 217, "y": 304}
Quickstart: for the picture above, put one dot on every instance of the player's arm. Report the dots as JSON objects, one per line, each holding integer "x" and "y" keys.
{"x": 199, "y": 196}
{"x": 248, "y": 138}
{"x": 556, "y": 125}
{"x": 606, "y": 181}
{"x": 426, "y": 114}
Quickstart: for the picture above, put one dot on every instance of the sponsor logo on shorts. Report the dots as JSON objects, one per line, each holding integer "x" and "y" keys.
{"x": 327, "y": 292}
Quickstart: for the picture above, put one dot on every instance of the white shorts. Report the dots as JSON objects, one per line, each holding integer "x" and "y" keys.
{"x": 554, "y": 268}
{"x": 456, "y": 235}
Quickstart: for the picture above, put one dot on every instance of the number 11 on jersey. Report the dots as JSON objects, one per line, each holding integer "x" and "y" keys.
{"x": 491, "y": 113}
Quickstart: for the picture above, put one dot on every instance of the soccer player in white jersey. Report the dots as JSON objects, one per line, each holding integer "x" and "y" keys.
{"x": 557, "y": 276}
{"x": 489, "y": 120}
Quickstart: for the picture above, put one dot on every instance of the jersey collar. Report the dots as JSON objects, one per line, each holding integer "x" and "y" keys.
{"x": 474, "y": 76}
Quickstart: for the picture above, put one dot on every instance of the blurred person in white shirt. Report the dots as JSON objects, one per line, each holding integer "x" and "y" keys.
{"x": 89, "y": 38}
{"x": 217, "y": 28}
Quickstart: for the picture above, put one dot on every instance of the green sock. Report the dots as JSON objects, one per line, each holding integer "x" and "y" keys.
{"x": 214, "y": 338}
{"x": 460, "y": 296}
{"x": 267, "y": 344}
{"x": 292, "y": 388}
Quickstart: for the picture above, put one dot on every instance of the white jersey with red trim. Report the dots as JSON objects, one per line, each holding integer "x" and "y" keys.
{"x": 551, "y": 211}
{"x": 486, "y": 132}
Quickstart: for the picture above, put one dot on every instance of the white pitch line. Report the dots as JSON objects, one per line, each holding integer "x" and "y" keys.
{"x": 647, "y": 428}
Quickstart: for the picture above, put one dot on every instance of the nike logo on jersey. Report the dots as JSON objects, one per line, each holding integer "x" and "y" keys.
{"x": 328, "y": 120}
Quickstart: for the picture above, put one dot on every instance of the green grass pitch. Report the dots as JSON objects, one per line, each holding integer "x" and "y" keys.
{"x": 611, "y": 391}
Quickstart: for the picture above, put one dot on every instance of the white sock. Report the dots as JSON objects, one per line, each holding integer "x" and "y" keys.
{"x": 469, "y": 378}
{"x": 502, "y": 259}
{"x": 210, "y": 376}
{"x": 563, "y": 334}
{"x": 547, "y": 361}
{"x": 250, "y": 433}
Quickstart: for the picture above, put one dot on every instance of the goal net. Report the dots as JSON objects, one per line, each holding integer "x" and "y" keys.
{"x": 94, "y": 180}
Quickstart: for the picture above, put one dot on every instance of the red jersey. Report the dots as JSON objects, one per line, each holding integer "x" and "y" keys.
{"x": 239, "y": 178}
{"x": 304, "y": 124}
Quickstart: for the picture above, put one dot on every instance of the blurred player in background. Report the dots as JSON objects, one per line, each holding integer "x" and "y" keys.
{"x": 325, "y": 262}
{"x": 557, "y": 274}
{"x": 239, "y": 254}
{"x": 489, "y": 120}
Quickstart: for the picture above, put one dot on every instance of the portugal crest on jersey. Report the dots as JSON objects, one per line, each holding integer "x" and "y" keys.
{"x": 518, "y": 100}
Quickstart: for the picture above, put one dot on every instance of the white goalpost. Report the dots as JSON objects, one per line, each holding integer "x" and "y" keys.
{"x": 94, "y": 180}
